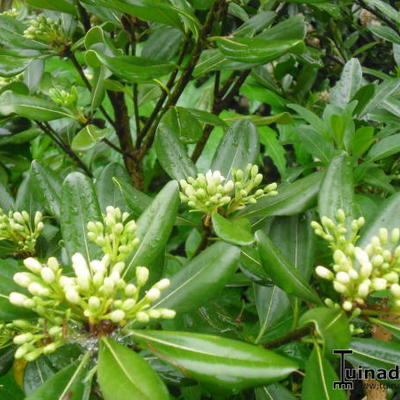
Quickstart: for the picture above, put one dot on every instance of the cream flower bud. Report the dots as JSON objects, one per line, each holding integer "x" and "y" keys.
{"x": 72, "y": 296}
{"x": 23, "y": 338}
{"x": 50, "y": 348}
{"x": 154, "y": 314}
{"x": 229, "y": 186}
{"x": 353, "y": 274}
{"x": 38, "y": 290}
{"x": 38, "y": 217}
{"x": 142, "y": 275}
{"x": 33, "y": 265}
{"x": 55, "y": 331}
{"x": 117, "y": 316}
{"x": 153, "y": 294}
{"x": 395, "y": 289}
{"x": 377, "y": 260}
{"x": 22, "y": 279}
{"x": 94, "y": 303}
{"x": 21, "y": 351}
{"x": 18, "y": 299}
{"x": 128, "y": 304}
{"x": 340, "y": 215}
{"x": 142, "y": 317}
{"x": 163, "y": 284}
{"x": 48, "y": 275}
{"x": 392, "y": 277}
{"x": 347, "y": 305}
{"x": 97, "y": 266}
{"x": 395, "y": 236}
{"x": 130, "y": 289}
{"x": 342, "y": 277}
{"x": 167, "y": 314}
{"x": 363, "y": 288}
{"x": 79, "y": 265}
{"x": 379, "y": 283}
{"x": 53, "y": 263}
{"x": 324, "y": 273}
{"x": 383, "y": 235}
{"x": 362, "y": 256}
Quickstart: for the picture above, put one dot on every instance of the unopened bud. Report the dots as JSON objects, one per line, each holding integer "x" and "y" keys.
{"x": 324, "y": 272}
{"x": 117, "y": 316}
{"x": 33, "y": 265}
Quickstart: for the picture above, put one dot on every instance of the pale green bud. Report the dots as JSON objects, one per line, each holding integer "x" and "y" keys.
{"x": 153, "y": 294}
{"x": 347, "y": 305}
{"x": 23, "y": 338}
{"x": 53, "y": 263}
{"x": 117, "y": 316}
{"x": 154, "y": 314}
{"x": 94, "y": 303}
{"x": 339, "y": 287}
{"x": 395, "y": 236}
{"x": 55, "y": 331}
{"x": 18, "y": 299}
{"x": 167, "y": 314}
{"x": 383, "y": 235}
{"x": 48, "y": 275}
{"x": 50, "y": 348}
{"x": 377, "y": 260}
{"x": 395, "y": 289}
{"x": 128, "y": 304}
{"x": 340, "y": 215}
{"x": 38, "y": 290}
{"x": 162, "y": 284}
{"x": 392, "y": 277}
{"x": 142, "y": 317}
{"x": 327, "y": 222}
{"x": 33, "y": 355}
{"x": 379, "y": 283}
{"x": 21, "y": 351}
{"x": 130, "y": 289}
{"x": 342, "y": 277}
{"x": 72, "y": 296}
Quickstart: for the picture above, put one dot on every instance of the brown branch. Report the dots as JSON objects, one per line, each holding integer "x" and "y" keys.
{"x": 83, "y": 16}
{"x": 186, "y": 74}
{"x": 218, "y": 106}
{"x": 123, "y": 131}
{"x": 51, "y": 133}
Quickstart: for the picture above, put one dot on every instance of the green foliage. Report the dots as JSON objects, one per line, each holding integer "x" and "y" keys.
{"x": 199, "y": 199}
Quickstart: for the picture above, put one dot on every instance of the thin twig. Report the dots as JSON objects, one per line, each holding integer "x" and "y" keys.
{"x": 289, "y": 337}
{"x": 51, "y": 133}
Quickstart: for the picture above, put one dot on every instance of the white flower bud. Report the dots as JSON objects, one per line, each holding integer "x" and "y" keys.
{"x": 79, "y": 265}
{"x": 94, "y": 303}
{"x": 353, "y": 274}
{"x": 392, "y": 277}
{"x": 395, "y": 289}
{"x": 383, "y": 235}
{"x": 50, "y": 348}
{"x": 379, "y": 283}
{"x": 21, "y": 351}
{"x": 53, "y": 263}
{"x": 38, "y": 290}
{"x": 117, "y": 316}
{"x": 130, "y": 289}
{"x": 55, "y": 331}
{"x": 142, "y": 275}
{"x": 154, "y": 314}
{"x": 18, "y": 299}
{"x": 342, "y": 277}
{"x": 340, "y": 215}
{"x": 163, "y": 284}
{"x": 142, "y": 317}
{"x": 23, "y": 338}
{"x": 98, "y": 266}
{"x": 347, "y": 305}
{"x": 128, "y": 304}
{"x": 22, "y": 279}
{"x": 395, "y": 236}
{"x": 72, "y": 296}
{"x": 362, "y": 257}
{"x": 167, "y": 314}
{"x": 33, "y": 265}
{"x": 228, "y": 187}
{"x": 153, "y": 294}
{"x": 377, "y": 260}
{"x": 48, "y": 275}
{"x": 324, "y": 273}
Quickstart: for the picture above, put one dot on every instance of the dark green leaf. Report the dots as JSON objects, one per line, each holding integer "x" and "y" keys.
{"x": 88, "y": 137}
{"x": 215, "y": 361}
{"x": 235, "y": 231}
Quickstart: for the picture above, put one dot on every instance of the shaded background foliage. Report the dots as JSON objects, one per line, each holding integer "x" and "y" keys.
{"x": 308, "y": 90}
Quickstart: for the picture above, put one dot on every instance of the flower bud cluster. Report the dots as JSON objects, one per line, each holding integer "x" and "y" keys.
{"x": 358, "y": 272}
{"x": 68, "y": 305}
{"x": 115, "y": 234}
{"x": 210, "y": 192}
{"x": 19, "y": 228}
{"x": 12, "y": 12}
{"x": 338, "y": 233}
{"x": 64, "y": 98}
{"x": 46, "y": 30}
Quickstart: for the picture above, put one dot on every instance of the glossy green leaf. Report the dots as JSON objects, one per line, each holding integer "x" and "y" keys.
{"x": 348, "y": 85}
{"x": 388, "y": 217}
{"x": 146, "y": 10}
{"x": 386, "y": 147}
{"x": 255, "y": 24}
{"x": 65, "y": 384}
{"x": 8, "y": 312}
{"x": 88, "y": 137}
{"x": 282, "y": 273}
{"x": 215, "y": 361}
{"x": 6, "y": 201}
{"x": 25, "y": 199}
{"x": 123, "y": 374}
{"x": 108, "y": 191}
{"x": 135, "y": 199}
{"x": 31, "y": 107}
{"x": 273, "y": 148}
{"x": 332, "y": 325}
{"x": 295, "y": 238}
{"x": 371, "y": 353}
{"x": 235, "y": 231}
{"x": 292, "y": 199}
{"x": 47, "y": 188}
{"x": 275, "y": 391}
{"x": 154, "y": 227}
{"x": 320, "y": 375}
{"x": 11, "y": 65}
{"x": 172, "y": 154}
{"x": 79, "y": 206}
{"x": 315, "y": 144}
{"x": 337, "y": 190}
{"x": 256, "y": 50}
{"x": 385, "y": 33}
{"x": 130, "y": 68}
{"x": 293, "y": 28}
{"x": 238, "y": 147}
{"x": 98, "y": 88}
{"x": 201, "y": 279}
{"x": 272, "y": 304}
{"x": 60, "y": 5}
{"x": 251, "y": 265}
